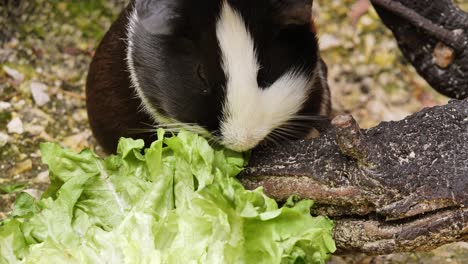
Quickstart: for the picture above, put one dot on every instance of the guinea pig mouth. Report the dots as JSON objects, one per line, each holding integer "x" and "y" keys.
{"x": 241, "y": 146}
{"x": 242, "y": 142}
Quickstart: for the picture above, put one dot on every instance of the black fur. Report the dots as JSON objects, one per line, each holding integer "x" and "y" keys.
{"x": 177, "y": 60}
{"x": 180, "y": 72}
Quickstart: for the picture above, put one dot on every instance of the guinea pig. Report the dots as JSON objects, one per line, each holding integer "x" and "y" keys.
{"x": 236, "y": 71}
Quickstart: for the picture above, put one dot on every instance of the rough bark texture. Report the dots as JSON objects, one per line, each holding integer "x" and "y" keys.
{"x": 401, "y": 186}
{"x": 433, "y": 36}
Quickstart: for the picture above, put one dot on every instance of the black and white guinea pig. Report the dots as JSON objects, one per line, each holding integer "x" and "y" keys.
{"x": 238, "y": 71}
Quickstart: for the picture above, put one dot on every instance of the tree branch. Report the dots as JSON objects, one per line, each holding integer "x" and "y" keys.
{"x": 433, "y": 36}
{"x": 431, "y": 28}
{"x": 401, "y": 186}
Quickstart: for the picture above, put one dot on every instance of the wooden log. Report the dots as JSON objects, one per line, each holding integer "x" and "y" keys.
{"x": 433, "y": 36}
{"x": 401, "y": 186}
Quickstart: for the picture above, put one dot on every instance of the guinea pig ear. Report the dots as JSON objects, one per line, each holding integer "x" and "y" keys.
{"x": 156, "y": 15}
{"x": 294, "y": 12}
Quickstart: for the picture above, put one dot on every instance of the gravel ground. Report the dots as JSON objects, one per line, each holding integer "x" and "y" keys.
{"x": 46, "y": 47}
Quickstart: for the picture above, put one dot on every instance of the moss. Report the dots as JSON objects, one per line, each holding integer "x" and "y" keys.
{"x": 7, "y": 154}
{"x": 391, "y": 88}
{"x": 5, "y": 117}
{"x": 24, "y": 68}
{"x": 86, "y": 15}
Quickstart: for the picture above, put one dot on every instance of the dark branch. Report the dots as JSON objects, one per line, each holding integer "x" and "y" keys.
{"x": 433, "y": 36}
{"x": 409, "y": 194}
{"x": 448, "y": 37}
{"x": 350, "y": 139}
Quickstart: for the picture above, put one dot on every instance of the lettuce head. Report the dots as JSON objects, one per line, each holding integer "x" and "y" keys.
{"x": 175, "y": 202}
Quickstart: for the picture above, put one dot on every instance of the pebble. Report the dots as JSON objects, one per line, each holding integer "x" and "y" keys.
{"x": 443, "y": 55}
{"x": 16, "y": 75}
{"x": 39, "y": 93}
{"x": 34, "y": 193}
{"x": 34, "y": 130}
{"x": 42, "y": 177}
{"x": 19, "y": 105}
{"x": 13, "y": 43}
{"x": 15, "y": 126}
{"x": 4, "y": 138}
{"x": 21, "y": 167}
{"x": 4, "y": 106}
{"x": 328, "y": 41}
{"x": 78, "y": 141}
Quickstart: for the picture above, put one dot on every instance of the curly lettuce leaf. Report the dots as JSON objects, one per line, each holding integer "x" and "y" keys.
{"x": 175, "y": 202}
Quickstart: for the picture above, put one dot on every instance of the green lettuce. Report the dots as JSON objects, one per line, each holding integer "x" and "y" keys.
{"x": 175, "y": 202}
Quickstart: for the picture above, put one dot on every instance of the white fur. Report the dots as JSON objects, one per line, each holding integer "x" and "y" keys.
{"x": 251, "y": 113}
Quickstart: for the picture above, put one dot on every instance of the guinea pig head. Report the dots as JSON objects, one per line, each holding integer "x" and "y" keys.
{"x": 238, "y": 70}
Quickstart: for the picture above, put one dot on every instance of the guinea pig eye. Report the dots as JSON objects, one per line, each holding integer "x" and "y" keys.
{"x": 202, "y": 76}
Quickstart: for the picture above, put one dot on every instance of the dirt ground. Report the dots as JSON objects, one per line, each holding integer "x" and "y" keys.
{"x": 46, "y": 47}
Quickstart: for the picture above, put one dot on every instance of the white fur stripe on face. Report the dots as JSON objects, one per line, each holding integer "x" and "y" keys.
{"x": 249, "y": 112}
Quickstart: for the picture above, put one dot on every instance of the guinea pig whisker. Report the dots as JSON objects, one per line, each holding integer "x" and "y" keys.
{"x": 290, "y": 132}
{"x": 278, "y": 139}
{"x": 169, "y": 125}
{"x": 300, "y": 125}
{"x": 272, "y": 138}
{"x": 213, "y": 140}
{"x": 309, "y": 117}
{"x": 141, "y": 130}
{"x": 192, "y": 127}
{"x": 297, "y": 125}
{"x": 135, "y": 131}
{"x": 281, "y": 135}
{"x": 177, "y": 124}
{"x": 177, "y": 127}
{"x": 148, "y": 124}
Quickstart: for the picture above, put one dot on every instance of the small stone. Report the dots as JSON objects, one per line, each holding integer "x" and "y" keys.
{"x": 34, "y": 193}
{"x": 328, "y": 41}
{"x": 42, "y": 177}
{"x": 34, "y": 130}
{"x": 16, "y": 75}
{"x": 4, "y": 106}
{"x": 15, "y": 126}
{"x": 78, "y": 141}
{"x": 46, "y": 136}
{"x": 39, "y": 93}
{"x": 13, "y": 43}
{"x": 443, "y": 55}
{"x": 458, "y": 32}
{"x": 21, "y": 167}
{"x": 20, "y": 104}
{"x": 4, "y": 138}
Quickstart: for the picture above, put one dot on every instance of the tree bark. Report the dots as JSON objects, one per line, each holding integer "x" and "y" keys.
{"x": 433, "y": 36}
{"x": 401, "y": 186}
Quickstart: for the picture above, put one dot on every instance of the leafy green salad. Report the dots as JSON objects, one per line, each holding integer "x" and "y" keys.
{"x": 175, "y": 202}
